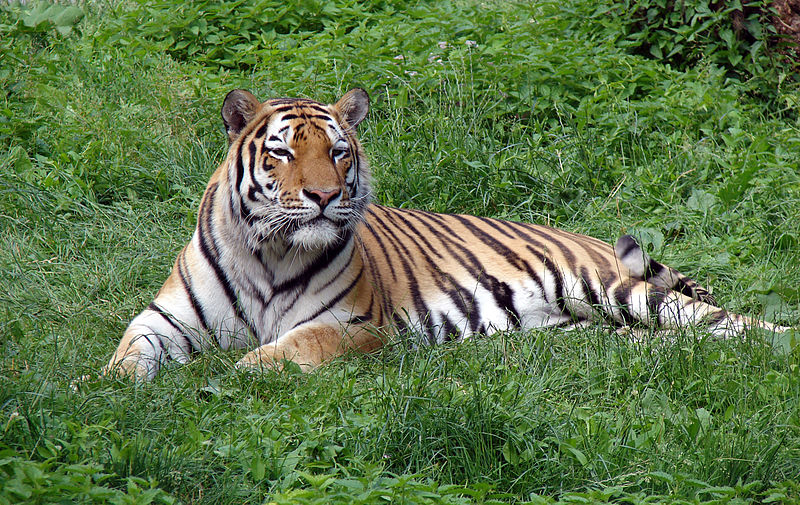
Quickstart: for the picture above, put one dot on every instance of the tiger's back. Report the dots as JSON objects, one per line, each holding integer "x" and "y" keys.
{"x": 290, "y": 257}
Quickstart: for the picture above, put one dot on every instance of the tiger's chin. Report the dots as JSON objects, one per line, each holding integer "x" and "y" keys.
{"x": 318, "y": 234}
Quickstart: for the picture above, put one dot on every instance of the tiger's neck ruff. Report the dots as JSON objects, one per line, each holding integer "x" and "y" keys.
{"x": 290, "y": 256}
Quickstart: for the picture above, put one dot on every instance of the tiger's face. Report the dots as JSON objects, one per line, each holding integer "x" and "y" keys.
{"x": 295, "y": 168}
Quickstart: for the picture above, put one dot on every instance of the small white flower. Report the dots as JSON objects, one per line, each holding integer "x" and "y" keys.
{"x": 471, "y": 43}
{"x": 411, "y": 73}
{"x": 399, "y": 57}
{"x": 442, "y": 45}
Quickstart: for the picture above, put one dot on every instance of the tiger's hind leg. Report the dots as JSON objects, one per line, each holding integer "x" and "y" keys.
{"x": 665, "y": 308}
{"x": 672, "y": 300}
{"x": 643, "y": 267}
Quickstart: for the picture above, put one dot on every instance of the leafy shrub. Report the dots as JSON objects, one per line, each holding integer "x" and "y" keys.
{"x": 731, "y": 34}
{"x": 41, "y": 18}
{"x": 230, "y": 34}
{"x": 25, "y": 481}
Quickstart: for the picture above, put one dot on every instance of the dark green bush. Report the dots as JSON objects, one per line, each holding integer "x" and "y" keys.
{"x": 232, "y": 34}
{"x": 733, "y": 34}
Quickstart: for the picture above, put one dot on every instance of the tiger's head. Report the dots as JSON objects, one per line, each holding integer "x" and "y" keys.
{"x": 295, "y": 169}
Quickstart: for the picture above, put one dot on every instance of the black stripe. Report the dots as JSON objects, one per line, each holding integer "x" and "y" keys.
{"x": 492, "y": 223}
{"x": 591, "y": 295}
{"x": 239, "y": 169}
{"x": 605, "y": 270}
{"x": 187, "y": 286}
{"x": 568, "y": 324}
{"x": 450, "y": 330}
{"x": 189, "y": 344}
{"x": 682, "y": 286}
{"x": 402, "y": 329}
{"x": 558, "y": 277}
{"x": 378, "y": 287}
{"x": 262, "y": 130}
{"x": 716, "y": 317}
{"x": 255, "y": 185}
{"x": 317, "y": 108}
{"x": 630, "y": 246}
{"x": 333, "y": 301}
{"x": 354, "y": 166}
{"x": 244, "y": 210}
{"x": 622, "y": 296}
{"x": 325, "y": 258}
{"x": 549, "y": 234}
{"x": 367, "y": 317}
{"x": 511, "y": 256}
{"x": 440, "y": 220}
{"x": 594, "y": 297}
{"x": 655, "y": 298}
{"x": 335, "y": 277}
{"x": 385, "y": 253}
{"x": 209, "y": 251}
{"x": 147, "y": 337}
{"x": 399, "y": 214}
{"x": 155, "y": 308}
{"x": 601, "y": 255}
{"x": 253, "y": 192}
{"x": 359, "y": 320}
{"x": 653, "y": 269}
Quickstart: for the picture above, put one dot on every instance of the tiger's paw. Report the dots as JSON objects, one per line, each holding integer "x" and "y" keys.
{"x": 268, "y": 357}
{"x": 131, "y": 368}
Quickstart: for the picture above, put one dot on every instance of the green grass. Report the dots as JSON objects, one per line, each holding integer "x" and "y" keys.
{"x": 109, "y": 130}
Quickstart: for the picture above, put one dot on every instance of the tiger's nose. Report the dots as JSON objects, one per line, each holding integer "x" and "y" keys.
{"x": 320, "y": 197}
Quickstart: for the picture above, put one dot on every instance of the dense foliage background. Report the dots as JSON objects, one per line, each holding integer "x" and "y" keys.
{"x": 600, "y": 117}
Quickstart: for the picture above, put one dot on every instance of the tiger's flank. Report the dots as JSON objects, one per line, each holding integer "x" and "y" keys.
{"x": 291, "y": 259}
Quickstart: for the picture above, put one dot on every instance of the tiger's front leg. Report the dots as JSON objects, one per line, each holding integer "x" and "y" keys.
{"x": 138, "y": 355}
{"x": 153, "y": 336}
{"x": 310, "y": 345}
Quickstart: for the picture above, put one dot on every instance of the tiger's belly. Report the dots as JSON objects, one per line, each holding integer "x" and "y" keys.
{"x": 462, "y": 311}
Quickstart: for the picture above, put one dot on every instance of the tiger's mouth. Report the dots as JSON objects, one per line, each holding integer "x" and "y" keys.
{"x": 319, "y": 231}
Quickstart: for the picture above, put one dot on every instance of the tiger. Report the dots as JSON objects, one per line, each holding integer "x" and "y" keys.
{"x": 292, "y": 261}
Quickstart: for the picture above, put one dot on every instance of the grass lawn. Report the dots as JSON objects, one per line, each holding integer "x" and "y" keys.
{"x": 550, "y": 112}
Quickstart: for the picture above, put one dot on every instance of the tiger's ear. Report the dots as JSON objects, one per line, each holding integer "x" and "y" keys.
{"x": 238, "y": 109}
{"x": 353, "y": 106}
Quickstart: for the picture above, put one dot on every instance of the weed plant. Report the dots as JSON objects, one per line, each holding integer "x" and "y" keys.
{"x": 109, "y": 129}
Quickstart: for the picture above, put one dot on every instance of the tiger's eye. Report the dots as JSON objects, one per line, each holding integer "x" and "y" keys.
{"x": 280, "y": 153}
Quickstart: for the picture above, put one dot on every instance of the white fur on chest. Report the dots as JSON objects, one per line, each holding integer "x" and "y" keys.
{"x": 275, "y": 292}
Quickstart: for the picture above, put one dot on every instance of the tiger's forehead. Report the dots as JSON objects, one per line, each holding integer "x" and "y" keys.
{"x": 296, "y": 119}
